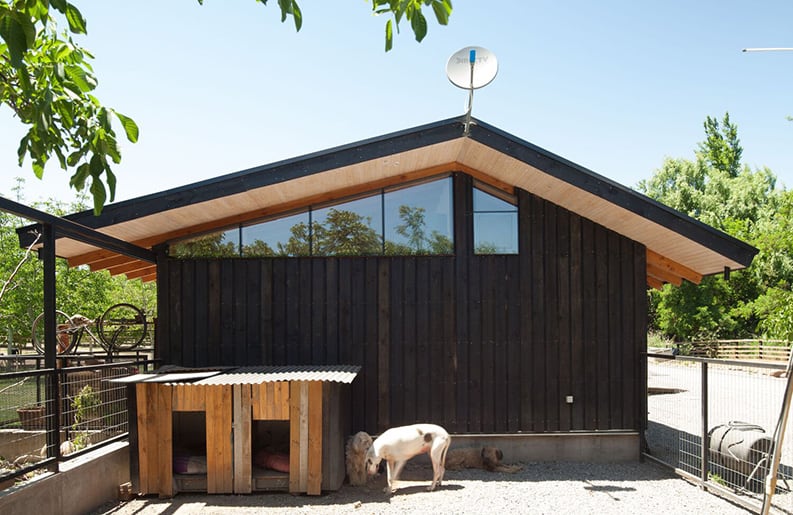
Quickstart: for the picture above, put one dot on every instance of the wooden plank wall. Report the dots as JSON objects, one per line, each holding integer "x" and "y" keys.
{"x": 475, "y": 343}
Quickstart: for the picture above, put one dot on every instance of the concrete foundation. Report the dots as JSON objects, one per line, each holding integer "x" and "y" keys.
{"x": 82, "y": 485}
{"x": 604, "y": 447}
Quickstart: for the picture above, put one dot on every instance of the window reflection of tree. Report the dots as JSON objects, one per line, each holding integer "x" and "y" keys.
{"x": 413, "y": 229}
{"x": 346, "y": 233}
{"x": 212, "y": 245}
{"x": 356, "y": 228}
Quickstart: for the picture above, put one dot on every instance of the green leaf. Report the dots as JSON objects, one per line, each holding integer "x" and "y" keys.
{"x": 80, "y": 78}
{"x": 100, "y": 195}
{"x": 74, "y": 157}
{"x": 442, "y": 8}
{"x": 111, "y": 183}
{"x": 75, "y": 18}
{"x": 297, "y": 14}
{"x": 19, "y": 34}
{"x": 285, "y": 8}
{"x": 111, "y": 148}
{"x": 23, "y": 148}
{"x": 130, "y": 127}
{"x": 290, "y": 8}
{"x": 104, "y": 121}
{"x": 60, "y": 5}
{"x": 389, "y": 36}
{"x": 38, "y": 169}
{"x": 77, "y": 180}
{"x": 419, "y": 24}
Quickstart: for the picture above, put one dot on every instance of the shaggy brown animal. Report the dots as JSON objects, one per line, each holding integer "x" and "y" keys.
{"x": 357, "y": 445}
{"x": 487, "y": 458}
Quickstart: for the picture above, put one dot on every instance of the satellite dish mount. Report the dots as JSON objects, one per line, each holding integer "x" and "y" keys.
{"x": 471, "y": 68}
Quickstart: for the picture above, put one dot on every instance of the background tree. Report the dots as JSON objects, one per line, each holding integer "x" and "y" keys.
{"x": 718, "y": 190}
{"x": 47, "y": 82}
{"x": 79, "y": 290}
{"x": 774, "y": 268}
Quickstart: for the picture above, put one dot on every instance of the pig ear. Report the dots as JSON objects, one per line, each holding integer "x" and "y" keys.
{"x": 500, "y": 455}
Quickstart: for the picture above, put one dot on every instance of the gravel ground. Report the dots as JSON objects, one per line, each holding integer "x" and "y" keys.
{"x": 540, "y": 488}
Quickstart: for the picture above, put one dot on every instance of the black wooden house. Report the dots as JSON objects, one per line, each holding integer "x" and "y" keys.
{"x": 512, "y": 301}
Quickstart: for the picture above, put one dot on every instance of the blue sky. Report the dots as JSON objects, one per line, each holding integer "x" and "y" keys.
{"x": 615, "y": 86}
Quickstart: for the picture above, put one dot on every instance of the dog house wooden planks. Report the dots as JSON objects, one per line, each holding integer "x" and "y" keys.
{"x": 308, "y": 398}
{"x": 270, "y": 401}
{"x": 241, "y": 428}
{"x": 305, "y": 430}
{"x": 219, "y": 439}
{"x": 156, "y": 441}
{"x": 187, "y": 398}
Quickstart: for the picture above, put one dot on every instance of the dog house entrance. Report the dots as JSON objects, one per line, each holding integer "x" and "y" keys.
{"x": 270, "y": 454}
{"x": 189, "y": 451}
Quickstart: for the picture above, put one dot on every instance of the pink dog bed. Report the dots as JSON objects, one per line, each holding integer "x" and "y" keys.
{"x": 272, "y": 460}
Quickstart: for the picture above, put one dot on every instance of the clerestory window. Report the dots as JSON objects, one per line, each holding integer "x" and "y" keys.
{"x": 408, "y": 220}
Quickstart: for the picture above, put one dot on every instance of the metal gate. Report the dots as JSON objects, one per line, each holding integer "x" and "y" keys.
{"x": 713, "y": 421}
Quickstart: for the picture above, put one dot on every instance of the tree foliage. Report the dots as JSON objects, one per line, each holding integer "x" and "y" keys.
{"x": 718, "y": 190}
{"x": 46, "y": 79}
{"x": 78, "y": 290}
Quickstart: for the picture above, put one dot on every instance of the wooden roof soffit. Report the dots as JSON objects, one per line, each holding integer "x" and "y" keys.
{"x": 654, "y": 283}
{"x": 661, "y": 269}
{"x": 145, "y": 274}
{"x": 100, "y": 259}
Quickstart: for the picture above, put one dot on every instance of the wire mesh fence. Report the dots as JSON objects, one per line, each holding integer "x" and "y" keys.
{"x": 50, "y": 415}
{"x": 714, "y": 421}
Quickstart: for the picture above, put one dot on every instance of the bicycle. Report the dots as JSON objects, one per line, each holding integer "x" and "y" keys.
{"x": 121, "y": 327}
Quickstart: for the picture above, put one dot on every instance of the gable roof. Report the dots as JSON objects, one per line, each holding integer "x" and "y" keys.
{"x": 678, "y": 247}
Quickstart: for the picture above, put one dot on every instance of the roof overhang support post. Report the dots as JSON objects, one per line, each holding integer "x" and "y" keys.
{"x": 47, "y": 254}
{"x": 726, "y": 273}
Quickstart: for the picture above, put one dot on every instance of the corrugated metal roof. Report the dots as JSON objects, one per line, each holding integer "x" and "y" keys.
{"x": 269, "y": 374}
{"x": 247, "y": 375}
{"x": 185, "y": 376}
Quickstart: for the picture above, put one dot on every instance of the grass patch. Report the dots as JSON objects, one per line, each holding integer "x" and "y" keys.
{"x": 19, "y": 392}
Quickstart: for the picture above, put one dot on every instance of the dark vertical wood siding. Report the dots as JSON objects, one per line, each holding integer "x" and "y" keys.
{"x": 490, "y": 343}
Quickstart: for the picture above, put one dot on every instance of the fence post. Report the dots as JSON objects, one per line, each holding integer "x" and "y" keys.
{"x": 47, "y": 255}
{"x": 705, "y": 438}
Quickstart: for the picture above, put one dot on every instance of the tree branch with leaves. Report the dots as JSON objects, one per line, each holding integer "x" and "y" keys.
{"x": 46, "y": 79}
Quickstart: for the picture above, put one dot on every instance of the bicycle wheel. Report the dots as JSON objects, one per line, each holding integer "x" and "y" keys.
{"x": 66, "y": 334}
{"x": 122, "y": 327}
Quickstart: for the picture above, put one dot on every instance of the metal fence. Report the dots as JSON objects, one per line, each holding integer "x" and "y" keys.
{"x": 48, "y": 416}
{"x": 713, "y": 421}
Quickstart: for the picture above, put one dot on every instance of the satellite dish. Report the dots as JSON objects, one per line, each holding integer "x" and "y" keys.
{"x": 471, "y": 68}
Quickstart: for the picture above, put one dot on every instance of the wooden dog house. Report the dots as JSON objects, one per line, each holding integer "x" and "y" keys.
{"x": 307, "y": 401}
